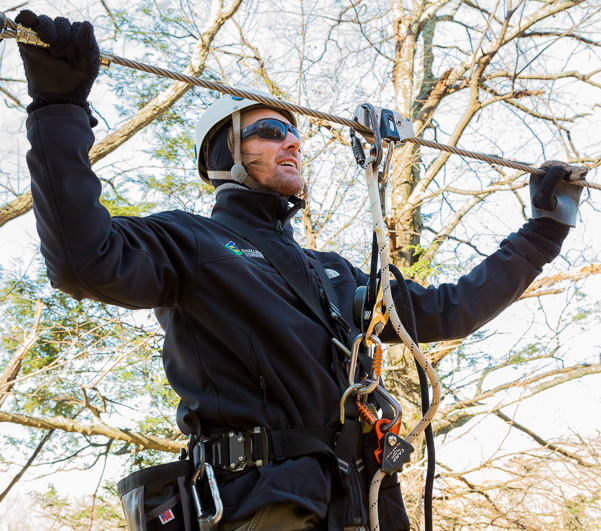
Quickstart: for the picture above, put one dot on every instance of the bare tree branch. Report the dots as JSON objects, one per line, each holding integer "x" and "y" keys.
{"x": 146, "y": 442}
{"x": 15, "y": 208}
{"x": 542, "y": 442}
{"x": 10, "y": 372}
{"x": 30, "y": 461}
{"x": 457, "y": 414}
{"x": 583, "y": 272}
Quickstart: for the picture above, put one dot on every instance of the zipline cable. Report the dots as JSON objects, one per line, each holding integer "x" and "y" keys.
{"x": 11, "y": 30}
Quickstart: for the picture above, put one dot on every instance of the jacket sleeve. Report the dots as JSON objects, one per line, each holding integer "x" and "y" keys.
{"x": 452, "y": 311}
{"x": 128, "y": 261}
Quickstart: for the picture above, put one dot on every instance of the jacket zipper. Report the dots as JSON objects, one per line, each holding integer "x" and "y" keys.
{"x": 358, "y": 513}
{"x": 264, "y": 387}
{"x": 259, "y": 368}
{"x": 357, "y": 510}
{"x": 299, "y": 260}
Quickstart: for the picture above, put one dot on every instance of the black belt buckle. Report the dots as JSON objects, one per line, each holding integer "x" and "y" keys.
{"x": 236, "y": 447}
{"x": 256, "y": 447}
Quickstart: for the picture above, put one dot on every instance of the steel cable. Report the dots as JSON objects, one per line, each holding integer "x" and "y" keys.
{"x": 10, "y": 30}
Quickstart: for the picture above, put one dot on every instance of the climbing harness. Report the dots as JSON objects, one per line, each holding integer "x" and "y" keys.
{"x": 11, "y": 30}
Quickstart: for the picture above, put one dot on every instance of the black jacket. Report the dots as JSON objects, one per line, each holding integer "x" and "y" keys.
{"x": 240, "y": 349}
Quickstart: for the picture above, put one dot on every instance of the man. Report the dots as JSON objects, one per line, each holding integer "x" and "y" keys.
{"x": 248, "y": 355}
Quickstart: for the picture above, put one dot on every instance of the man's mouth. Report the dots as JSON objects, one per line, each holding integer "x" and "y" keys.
{"x": 288, "y": 162}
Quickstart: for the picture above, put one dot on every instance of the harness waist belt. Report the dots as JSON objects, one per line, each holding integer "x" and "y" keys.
{"x": 235, "y": 450}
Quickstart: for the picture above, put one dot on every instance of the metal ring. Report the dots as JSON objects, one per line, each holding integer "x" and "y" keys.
{"x": 368, "y": 386}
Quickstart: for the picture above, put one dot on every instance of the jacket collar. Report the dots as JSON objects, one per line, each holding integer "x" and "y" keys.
{"x": 258, "y": 209}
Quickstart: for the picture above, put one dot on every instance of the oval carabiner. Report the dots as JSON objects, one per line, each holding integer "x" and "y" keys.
{"x": 355, "y": 354}
{"x": 210, "y": 521}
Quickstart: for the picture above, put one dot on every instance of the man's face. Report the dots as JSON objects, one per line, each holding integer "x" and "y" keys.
{"x": 275, "y": 164}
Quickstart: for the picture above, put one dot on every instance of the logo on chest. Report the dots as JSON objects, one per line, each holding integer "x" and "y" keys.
{"x": 250, "y": 253}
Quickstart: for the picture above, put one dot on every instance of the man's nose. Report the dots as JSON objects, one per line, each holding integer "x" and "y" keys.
{"x": 292, "y": 142}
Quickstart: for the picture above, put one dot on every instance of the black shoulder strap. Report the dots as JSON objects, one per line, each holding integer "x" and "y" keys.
{"x": 325, "y": 280}
{"x": 332, "y": 299}
{"x": 290, "y": 274}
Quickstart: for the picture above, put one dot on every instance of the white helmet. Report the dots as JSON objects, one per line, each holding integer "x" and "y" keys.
{"x": 209, "y": 124}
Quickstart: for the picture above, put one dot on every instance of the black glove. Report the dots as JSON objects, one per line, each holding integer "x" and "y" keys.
{"x": 64, "y": 72}
{"x": 551, "y": 195}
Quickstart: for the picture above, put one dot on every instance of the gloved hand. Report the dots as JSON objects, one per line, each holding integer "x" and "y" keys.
{"x": 64, "y": 72}
{"x": 552, "y": 196}
{"x": 554, "y": 206}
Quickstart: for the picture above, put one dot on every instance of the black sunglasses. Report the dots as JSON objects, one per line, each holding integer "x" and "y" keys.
{"x": 270, "y": 128}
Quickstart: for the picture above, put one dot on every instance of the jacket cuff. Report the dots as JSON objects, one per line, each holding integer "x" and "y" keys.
{"x": 546, "y": 235}
{"x": 56, "y": 110}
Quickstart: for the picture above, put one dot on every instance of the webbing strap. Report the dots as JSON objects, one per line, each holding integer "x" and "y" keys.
{"x": 279, "y": 444}
{"x": 325, "y": 280}
{"x": 290, "y": 274}
{"x": 345, "y": 450}
{"x": 287, "y": 444}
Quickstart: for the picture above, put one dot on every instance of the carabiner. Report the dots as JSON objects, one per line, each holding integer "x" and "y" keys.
{"x": 398, "y": 411}
{"x": 203, "y": 469}
{"x": 208, "y": 522}
{"x": 350, "y": 390}
{"x": 341, "y": 348}
{"x": 355, "y": 355}
{"x": 377, "y": 147}
{"x": 383, "y": 175}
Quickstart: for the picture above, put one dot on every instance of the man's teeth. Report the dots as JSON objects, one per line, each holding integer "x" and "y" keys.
{"x": 286, "y": 163}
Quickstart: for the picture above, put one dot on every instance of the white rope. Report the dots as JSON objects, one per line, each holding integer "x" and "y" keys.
{"x": 379, "y": 228}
